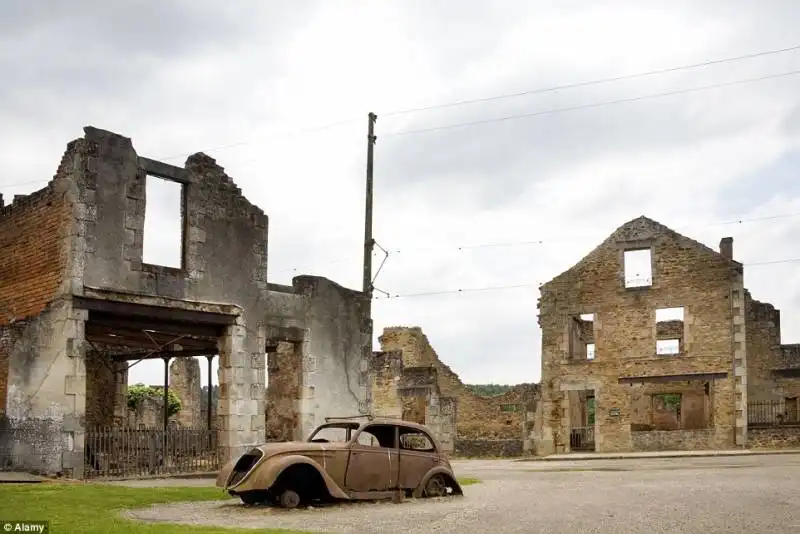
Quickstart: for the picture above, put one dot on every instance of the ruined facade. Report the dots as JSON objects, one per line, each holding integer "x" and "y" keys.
{"x": 651, "y": 342}
{"x": 73, "y": 283}
{"x": 410, "y": 381}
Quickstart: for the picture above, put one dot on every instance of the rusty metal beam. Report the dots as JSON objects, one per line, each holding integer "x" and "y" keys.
{"x": 130, "y": 309}
{"x": 114, "y": 321}
{"x": 140, "y": 338}
{"x": 671, "y": 378}
{"x": 152, "y": 355}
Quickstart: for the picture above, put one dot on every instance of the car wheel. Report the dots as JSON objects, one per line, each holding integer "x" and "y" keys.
{"x": 289, "y": 499}
{"x": 435, "y": 487}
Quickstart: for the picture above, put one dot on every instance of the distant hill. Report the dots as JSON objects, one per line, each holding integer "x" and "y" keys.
{"x": 488, "y": 390}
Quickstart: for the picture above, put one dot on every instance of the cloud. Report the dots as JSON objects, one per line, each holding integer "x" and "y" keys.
{"x": 189, "y": 76}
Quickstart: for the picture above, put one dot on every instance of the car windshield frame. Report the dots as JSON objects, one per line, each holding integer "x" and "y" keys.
{"x": 350, "y": 429}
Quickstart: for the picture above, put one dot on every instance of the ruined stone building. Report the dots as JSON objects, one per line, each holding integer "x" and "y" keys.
{"x": 651, "y": 342}
{"x": 410, "y": 381}
{"x": 78, "y": 305}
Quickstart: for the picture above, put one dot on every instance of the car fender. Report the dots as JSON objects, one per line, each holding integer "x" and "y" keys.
{"x": 438, "y": 470}
{"x": 266, "y": 472}
{"x": 225, "y": 473}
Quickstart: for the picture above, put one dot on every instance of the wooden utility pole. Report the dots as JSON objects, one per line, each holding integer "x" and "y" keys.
{"x": 368, "y": 240}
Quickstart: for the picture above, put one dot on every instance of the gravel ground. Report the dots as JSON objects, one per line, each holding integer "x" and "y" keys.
{"x": 698, "y": 495}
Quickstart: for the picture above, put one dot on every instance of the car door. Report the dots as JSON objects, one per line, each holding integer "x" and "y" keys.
{"x": 418, "y": 455}
{"x": 373, "y": 463}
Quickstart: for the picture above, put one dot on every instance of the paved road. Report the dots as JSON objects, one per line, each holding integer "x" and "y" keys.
{"x": 687, "y": 495}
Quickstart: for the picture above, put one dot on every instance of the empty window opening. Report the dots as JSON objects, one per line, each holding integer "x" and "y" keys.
{"x": 638, "y": 268}
{"x": 669, "y": 330}
{"x": 581, "y": 337}
{"x": 668, "y": 346}
{"x": 667, "y": 411}
{"x": 162, "y": 243}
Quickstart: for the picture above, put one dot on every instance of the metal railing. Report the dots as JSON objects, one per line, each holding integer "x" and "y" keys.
{"x": 118, "y": 452}
{"x": 773, "y": 413}
{"x": 581, "y": 438}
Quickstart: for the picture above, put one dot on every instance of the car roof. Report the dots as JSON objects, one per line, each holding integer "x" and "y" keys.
{"x": 368, "y": 420}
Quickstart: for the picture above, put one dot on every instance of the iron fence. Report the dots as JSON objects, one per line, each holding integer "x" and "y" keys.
{"x": 773, "y": 413}
{"x": 581, "y": 438}
{"x": 118, "y": 452}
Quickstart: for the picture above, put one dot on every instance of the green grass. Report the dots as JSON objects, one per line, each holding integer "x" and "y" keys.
{"x": 94, "y": 508}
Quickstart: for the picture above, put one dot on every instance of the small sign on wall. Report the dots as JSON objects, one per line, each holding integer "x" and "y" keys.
{"x": 613, "y": 412}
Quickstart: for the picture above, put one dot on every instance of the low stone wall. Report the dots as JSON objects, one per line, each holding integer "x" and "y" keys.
{"x": 476, "y": 448}
{"x": 32, "y": 445}
{"x": 676, "y": 440}
{"x": 779, "y": 437}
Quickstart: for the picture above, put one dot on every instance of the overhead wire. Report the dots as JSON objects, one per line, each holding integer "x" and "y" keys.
{"x": 430, "y": 293}
{"x": 592, "y": 105}
{"x": 517, "y": 94}
{"x": 592, "y": 82}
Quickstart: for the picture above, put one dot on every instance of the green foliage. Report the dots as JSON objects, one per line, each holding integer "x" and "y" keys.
{"x": 488, "y": 390}
{"x": 138, "y": 392}
{"x": 591, "y": 411}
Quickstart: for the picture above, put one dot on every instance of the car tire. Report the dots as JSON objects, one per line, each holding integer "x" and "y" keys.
{"x": 289, "y": 499}
{"x": 436, "y": 487}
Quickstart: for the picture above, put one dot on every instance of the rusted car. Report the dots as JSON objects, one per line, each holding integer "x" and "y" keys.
{"x": 343, "y": 459}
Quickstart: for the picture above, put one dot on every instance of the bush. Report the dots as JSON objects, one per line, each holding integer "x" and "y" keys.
{"x": 138, "y": 392}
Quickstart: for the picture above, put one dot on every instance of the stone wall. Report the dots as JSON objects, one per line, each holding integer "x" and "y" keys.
{"x": 781, "y": 437}
{"x": 679, "y": 440}
{"x": 503, "y": 417}
{"x": 489, "y": 448}
{"x": 325, "y": 371}
{"x": 706, "y": 284}
{"x": 284, "y": 368}
{"x": 184, "y": 381}
{"x": 763, "y": 349}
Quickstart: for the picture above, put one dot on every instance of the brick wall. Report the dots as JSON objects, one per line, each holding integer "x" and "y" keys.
{"x": 33, "y": 257}
{"x": 500, "y": 417}
{"x": 685, "y": 274}
{"x": 33, "y": 239}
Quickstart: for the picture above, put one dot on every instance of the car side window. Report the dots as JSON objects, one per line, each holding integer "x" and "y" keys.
{"x": 377, "y": 436}
{"x": 368, "y": 439}
{"x": 411, "y": 440}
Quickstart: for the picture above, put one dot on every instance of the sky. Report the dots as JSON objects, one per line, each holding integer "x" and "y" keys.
{"x": 279, "y": 92}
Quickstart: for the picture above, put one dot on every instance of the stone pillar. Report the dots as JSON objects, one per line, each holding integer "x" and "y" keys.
{"x": 184, "y": 381}
{"x": 121, "y": 393}
{"x": 739, "y": 360}
{"x": 241, "y": 381}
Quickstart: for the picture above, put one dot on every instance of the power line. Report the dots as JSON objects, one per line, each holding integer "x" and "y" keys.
{"x": 592, "y": 105}
{"x": 528, "y": 285}
{"x": 274, "y": 134}
{"x": 592, "y": 82}
{"x": 532, "y": 242}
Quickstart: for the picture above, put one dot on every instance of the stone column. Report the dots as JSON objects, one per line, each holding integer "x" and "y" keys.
{"x": 739, "y": 360}
{"x": 185, "y": 382}
{"x": 241, "y": 382}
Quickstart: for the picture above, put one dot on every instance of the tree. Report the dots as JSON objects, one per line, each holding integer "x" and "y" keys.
{"x": 137, "y": 393}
